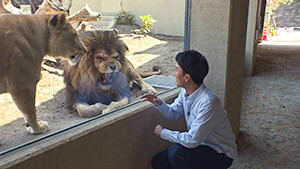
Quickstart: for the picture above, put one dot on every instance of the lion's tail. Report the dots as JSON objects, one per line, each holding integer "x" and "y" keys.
{"x": 156, "y": 71}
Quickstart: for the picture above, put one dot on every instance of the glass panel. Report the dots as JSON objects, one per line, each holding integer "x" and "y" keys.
{"x": 157, "y": 48}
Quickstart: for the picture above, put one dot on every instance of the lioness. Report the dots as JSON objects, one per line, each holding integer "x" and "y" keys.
{"x": 25, "y": 39}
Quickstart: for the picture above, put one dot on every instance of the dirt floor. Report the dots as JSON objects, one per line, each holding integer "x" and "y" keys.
{"x": 270, "y": 121}
{"x": 270, "y": 126}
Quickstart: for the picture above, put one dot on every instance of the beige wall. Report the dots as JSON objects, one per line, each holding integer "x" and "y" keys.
{"x": 235, "y": 62}
{"x": 168, "y": 13}
{"x": 95, "y": 5}
{"x": 209, "y": 35}
{"x": 111, "y": 5}
{"x": 101, "y": 6}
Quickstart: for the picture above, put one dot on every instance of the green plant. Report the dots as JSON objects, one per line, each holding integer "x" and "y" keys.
{"x": 147, "y": 24}
{"x": 124, "y": 17}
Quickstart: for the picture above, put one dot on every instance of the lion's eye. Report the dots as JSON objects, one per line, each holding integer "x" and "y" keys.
{"x": 99, "y": 58}
{"x": 116, "y": 57}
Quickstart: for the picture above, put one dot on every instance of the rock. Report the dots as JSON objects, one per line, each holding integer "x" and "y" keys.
{"x": 125, "y": 29}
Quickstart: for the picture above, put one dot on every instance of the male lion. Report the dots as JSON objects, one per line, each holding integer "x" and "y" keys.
{"x": 88, "y": 89}
{"x": 25, "y": 39}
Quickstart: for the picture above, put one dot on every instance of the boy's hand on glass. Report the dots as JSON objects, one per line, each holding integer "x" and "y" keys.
{"x": 152, "y": 98}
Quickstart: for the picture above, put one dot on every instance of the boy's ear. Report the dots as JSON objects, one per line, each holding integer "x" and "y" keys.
{"x": 187, "y": 77}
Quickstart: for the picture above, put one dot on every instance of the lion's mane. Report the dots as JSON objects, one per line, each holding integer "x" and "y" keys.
{"x": 84, "y": 76}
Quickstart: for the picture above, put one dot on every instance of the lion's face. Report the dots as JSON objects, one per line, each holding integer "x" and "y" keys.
{"x": 64, "y": 40}
{"x": 105, "y": 54}
{"x": 106, "y": 61}
{"x": 105, "y": 50}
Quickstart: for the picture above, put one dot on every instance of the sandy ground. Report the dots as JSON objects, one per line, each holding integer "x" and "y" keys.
{"x": 270, "y": 126}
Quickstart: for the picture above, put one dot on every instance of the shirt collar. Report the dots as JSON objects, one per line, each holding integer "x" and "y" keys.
{"x": 196, "y": 93}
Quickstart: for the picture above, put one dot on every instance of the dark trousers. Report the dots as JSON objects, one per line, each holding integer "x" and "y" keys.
{"x": 201, "y": 157}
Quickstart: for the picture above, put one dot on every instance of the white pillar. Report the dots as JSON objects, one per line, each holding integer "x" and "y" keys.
{"x": 252, "y": 36}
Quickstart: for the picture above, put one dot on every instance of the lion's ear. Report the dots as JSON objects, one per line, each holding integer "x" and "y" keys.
{"x": 62, "y": 19}
{"x": 58, "y": 19}
{"x": 54, "y": 20}
{"x": 116, "y": 31}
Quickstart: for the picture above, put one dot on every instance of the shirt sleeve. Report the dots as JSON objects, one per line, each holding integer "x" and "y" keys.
{"x": 203, "y": 124}
{"x": 171, "y": 111}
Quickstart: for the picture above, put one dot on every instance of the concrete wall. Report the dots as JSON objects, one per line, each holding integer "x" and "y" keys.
{"x": 218, "y": 30}
{"x": 209, "y": 30}
{"x": 235, "y": 62}
{"x": 168, "y": 13}
{"x": 95, "y": 5}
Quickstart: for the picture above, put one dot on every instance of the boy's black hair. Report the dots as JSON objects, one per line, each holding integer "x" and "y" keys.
{"x": 194, "y": 64}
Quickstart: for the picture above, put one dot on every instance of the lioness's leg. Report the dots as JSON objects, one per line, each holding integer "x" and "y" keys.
{"x": 24, "y": 97}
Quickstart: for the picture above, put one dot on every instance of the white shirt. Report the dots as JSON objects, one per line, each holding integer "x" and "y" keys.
{"x": 206, "y": 121}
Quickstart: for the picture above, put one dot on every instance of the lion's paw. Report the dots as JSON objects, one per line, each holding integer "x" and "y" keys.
{"x": 148, "y": 90}
{"x": 106, "y": 110}
{"x": 100, "y": 106}
{"x": 113, "y": 105}
{"x": 43, "y": 127}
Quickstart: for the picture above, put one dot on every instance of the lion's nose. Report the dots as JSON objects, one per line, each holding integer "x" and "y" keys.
{"x": 113, "y": 67}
